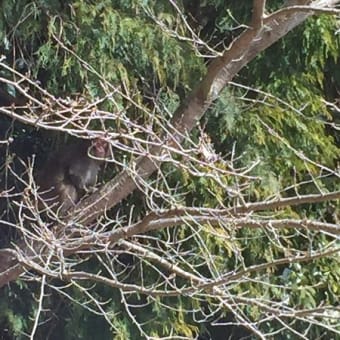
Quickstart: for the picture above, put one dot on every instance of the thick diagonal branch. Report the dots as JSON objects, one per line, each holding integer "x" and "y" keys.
{"x": 222, "y": 70}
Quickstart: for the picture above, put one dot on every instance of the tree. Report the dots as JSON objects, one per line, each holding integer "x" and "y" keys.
{"x": 211, "y": 236}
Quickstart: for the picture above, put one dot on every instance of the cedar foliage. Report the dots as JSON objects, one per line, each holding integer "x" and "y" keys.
{"x": 121, "y": 42}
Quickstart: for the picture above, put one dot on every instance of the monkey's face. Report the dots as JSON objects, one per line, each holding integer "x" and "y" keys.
{"x": 99, "y": 148}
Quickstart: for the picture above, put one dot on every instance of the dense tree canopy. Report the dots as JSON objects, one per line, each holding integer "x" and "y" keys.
{"x": 216, "y": 214}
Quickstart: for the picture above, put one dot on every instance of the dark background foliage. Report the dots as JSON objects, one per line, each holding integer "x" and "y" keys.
{"x": 120, "y": 41}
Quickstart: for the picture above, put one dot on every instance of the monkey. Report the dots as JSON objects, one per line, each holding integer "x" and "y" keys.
{"x": 83, "y": 170}
{"x": 70, "y": 174}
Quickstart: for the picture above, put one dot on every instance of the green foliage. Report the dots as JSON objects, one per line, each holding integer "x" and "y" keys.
{"x": 15, "y": 311}
{"x": 67, "y": 44}
{"x": 12, "y": 323}
{"x": 277, "y": 133}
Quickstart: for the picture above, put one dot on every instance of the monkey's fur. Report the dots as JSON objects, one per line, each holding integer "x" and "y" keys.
{"x": 70, "y": 174}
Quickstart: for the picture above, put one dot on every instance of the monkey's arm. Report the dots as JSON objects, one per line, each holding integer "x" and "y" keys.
{"x": 83, "y": 174}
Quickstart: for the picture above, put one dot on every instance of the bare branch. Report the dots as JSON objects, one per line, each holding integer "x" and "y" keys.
{"x": 259, "y": 7}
